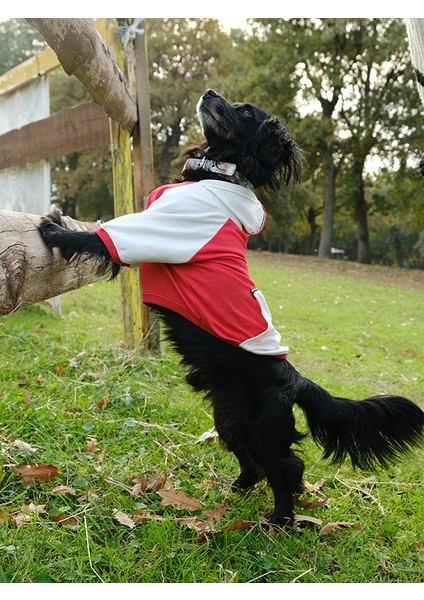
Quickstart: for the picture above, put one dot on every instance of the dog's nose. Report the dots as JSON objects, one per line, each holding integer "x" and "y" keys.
{"x": 210, "y": 92}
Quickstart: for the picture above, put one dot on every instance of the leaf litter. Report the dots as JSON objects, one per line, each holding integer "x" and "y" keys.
{"x": 206, "y": 523}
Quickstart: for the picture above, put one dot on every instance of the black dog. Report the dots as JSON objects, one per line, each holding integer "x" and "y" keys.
{"x": 191, "y": 246}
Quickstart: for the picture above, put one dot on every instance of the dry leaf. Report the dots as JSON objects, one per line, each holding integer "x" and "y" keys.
{"x": 61, "y": 490}
{"x": 306, "y": 520}
{"x": 63, "y": 519}
{"x": 195, "y": 524}
{"x": 33, "y": 509}
{"x": 24, "y": 447}
{"x": 124, "y": 519}
{"x": 208, "y": 436}
{"x": 313, "y": 487}
{"x": 156, "y": 482}
{"x": 102, "y": 403}
{"x": 35, "y": 472}
{"x": 139, "y": 487}
{"x": 142, "y": 515}
{"x": 178, "y": 499}
{"x": 216, "y": 513}
{"x": 19, "y": 519}
{"x": 239, "y": 524}
{"x": 338, "y": 525}
{"x": 91, "y": 447}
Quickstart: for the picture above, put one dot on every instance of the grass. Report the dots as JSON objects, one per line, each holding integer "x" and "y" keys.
{"x": 102, "y": 415}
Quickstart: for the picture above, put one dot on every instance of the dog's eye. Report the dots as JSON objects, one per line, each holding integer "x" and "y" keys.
{"x": 247, "y": 113}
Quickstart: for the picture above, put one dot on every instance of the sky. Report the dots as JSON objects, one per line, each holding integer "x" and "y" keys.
{"x": 231, "y": 14}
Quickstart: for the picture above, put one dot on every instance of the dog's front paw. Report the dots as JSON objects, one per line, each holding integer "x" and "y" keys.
{"x": 50, "y": 226}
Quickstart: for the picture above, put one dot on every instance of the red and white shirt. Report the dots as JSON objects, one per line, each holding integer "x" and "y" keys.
{"x": 190, "y": 243}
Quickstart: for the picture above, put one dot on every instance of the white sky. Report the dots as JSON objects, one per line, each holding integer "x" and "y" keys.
{"x": 232, "y": 14}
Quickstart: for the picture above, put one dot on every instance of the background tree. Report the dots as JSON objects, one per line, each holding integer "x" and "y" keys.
{"x": 184, "y": 55}
{"x": 19, "y": 41}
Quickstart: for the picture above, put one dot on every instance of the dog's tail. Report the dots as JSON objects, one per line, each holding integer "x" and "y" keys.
{"x": 374, "y": 431}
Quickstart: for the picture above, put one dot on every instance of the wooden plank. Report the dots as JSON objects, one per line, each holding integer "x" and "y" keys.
{"x": 83, "y": 127}
{"x": 28, "y": 70}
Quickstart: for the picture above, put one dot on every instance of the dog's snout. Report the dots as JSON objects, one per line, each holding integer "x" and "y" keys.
{"x": 210, "y": 92}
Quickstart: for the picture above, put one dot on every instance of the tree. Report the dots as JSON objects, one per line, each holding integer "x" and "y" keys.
{"x": 184, "y": 55}
{"x": 350, "y": 82}
{"x": 378, "y": 110}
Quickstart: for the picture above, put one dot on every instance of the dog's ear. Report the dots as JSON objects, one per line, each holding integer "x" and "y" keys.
{"x": 277, "y": 153}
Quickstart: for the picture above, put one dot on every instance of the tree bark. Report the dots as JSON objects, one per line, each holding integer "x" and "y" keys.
{"x": 330, "y": 173}
{"x": 29, "y": 270}
{"x": 361, "y": 215}
{"x": 82, "y": 52}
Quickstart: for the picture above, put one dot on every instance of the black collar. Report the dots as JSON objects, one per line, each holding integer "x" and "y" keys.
{"x": 227, "y": 170}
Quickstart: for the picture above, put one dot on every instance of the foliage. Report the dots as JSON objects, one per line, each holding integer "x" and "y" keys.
{"x": 19, "y": 41}
{"x": 184, "y": 55}
{"x": 141, "y": 490}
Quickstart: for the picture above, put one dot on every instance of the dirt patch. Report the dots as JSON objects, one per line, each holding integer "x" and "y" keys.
{"x": 376, "y": 273}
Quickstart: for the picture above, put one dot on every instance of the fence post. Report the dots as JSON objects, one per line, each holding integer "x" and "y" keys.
{"x": 124, "y": 203}
{"x": 144, "y": 181}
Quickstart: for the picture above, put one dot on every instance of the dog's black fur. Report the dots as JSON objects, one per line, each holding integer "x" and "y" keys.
{"x": 252, "y": 396}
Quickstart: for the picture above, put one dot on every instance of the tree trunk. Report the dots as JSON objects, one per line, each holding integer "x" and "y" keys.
{"x": 82, "y": 52}
{"x": 330, "y": 172}
{"x": 29, "y": 270}
{"x": 361, "y": 215}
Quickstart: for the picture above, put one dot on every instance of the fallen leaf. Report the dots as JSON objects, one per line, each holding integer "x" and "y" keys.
{"x": 91, "y": 446}
{"x": 139, "y": 487}
{"x": 306, "y": 520}
{"x": 338, "y": 525}
{"x": 61, "y": 490}
{"x": 156, "y": 482}
{"x": 35, "y": 472}
{"x": 216, "y": 513}
{"x": 177, "y": 498}
{"x": 195, "y": 524}
{"x": 63, "y": 519}
{"x": 24, "y": 447}
{"x": 240, "y": 524}
{"x": 208, "y": 436}
{"x": 102, "y": 403}
{"x": 142, "y": 515}
{"x": 33, "y": 509}
{"x": 313, "y": 487}
{"x": 59, "y": 369}
{"x": 19, "y": 519}
{"x": 124, "y": 519}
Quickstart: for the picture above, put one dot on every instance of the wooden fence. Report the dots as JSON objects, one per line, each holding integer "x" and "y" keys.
{"x": 98, "y": 62}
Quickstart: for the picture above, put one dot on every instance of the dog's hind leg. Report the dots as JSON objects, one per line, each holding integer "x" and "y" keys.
{"x": 232, "y": 433}
{"x": 284, "y": 476}
{"x": 270, "y": 443}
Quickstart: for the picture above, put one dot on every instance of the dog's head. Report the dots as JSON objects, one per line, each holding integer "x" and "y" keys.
{"x": 247, "y": 136}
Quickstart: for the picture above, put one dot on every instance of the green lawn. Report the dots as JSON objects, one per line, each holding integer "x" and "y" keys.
{"x": 138, "y": 496}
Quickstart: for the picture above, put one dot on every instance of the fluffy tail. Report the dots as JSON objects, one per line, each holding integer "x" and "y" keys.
{"x": 373, "y": 431}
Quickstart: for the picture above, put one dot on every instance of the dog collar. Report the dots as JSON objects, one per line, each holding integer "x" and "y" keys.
{"x": 226, "y": 169}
